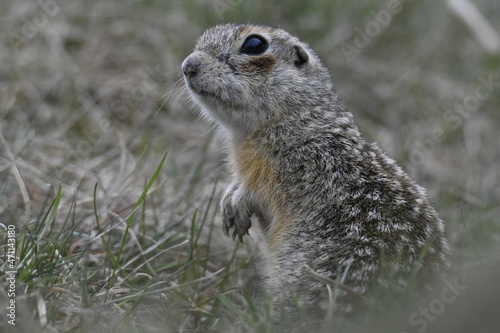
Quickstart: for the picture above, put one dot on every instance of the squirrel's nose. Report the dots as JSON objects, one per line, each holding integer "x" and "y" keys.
{"x": 191, "y": 66}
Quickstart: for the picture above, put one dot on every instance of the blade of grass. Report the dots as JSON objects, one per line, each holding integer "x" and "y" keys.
{"x": 210, "y": 233}
{"x": 131, "y": 217}
{"x": 227, "y": 302}
{"x": 192, "y": 238}
{"x": 99, "y": 229}
{"x": 49, "y": 217}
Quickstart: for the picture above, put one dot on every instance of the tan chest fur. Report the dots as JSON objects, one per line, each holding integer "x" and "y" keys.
{"x": 258, "y": 176}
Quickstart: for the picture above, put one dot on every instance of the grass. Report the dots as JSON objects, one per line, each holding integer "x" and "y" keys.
{"x": 110, "y": 236}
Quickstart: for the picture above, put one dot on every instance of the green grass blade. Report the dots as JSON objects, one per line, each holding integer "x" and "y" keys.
{"x": 131, "y": 217}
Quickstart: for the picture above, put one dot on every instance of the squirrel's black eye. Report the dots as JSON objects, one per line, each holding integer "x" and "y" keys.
{"x": 254, "y": 45}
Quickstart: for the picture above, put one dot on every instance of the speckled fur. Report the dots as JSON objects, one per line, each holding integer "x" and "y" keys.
{"x": 323, "y": 196}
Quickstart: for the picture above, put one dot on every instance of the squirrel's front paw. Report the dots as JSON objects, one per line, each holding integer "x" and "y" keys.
{"x": 237, "y": 216}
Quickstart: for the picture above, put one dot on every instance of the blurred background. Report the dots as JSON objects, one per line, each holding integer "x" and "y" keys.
{"x": 91, "y": 98}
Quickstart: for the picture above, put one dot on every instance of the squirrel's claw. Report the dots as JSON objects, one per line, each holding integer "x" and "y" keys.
{"x": 242, "y": 232}
{"x": 227, "y": 219}
{"x": 235, "y": 214}
{"x": 240, "y": 222}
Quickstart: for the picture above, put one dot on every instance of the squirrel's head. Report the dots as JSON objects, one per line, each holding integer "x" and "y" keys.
{"x": 245, "y": 75}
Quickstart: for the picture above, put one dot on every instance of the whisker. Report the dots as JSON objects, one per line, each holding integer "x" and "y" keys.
{"x": 177, "y": 86}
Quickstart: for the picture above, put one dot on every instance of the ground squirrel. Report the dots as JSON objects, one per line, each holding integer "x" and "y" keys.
{"x": 326, "y": 200}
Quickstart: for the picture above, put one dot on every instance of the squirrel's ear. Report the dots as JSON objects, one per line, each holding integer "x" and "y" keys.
{"x": 301, "y": 56}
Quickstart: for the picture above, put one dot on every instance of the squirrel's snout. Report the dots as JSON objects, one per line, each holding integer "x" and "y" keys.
{"x": 191, "y": 66}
